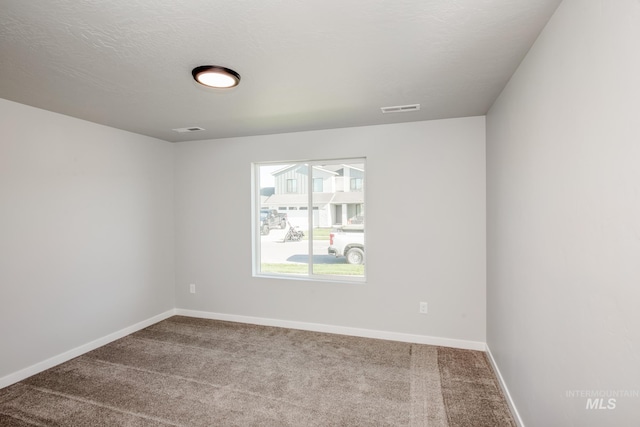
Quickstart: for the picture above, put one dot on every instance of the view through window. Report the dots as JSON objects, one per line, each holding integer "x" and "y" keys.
{"x": 310, "y": 219}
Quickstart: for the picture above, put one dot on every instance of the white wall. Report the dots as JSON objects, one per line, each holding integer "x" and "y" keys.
{"x": 425, "y": 229}
{"x": 86, "y": 233}
{"x": 563, "y": 151}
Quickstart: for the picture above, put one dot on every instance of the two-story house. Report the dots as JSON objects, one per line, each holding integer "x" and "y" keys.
{"x": 337, "y": 193}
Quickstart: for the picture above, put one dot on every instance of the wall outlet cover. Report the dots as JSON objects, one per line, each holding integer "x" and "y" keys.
{"x": 423, "y": 307}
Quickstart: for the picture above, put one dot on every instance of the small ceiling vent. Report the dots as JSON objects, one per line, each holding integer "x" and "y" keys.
{"x": 400, "y": 108}
{"x": 185, "y": 130}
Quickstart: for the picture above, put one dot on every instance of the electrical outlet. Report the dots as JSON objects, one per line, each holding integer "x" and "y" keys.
{"x": 423, "y": 308}
{"x": 192, "y": 288}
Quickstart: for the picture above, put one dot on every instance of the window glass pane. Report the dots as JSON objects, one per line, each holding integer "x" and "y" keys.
{"x": 311, "y": 219}
{"x": 317, "y": 185}
{"x": 338, "y": 223}
{"x": 356, "y": 184}
{"x": 292, "y": 186}
{"x": 282, "y": 249}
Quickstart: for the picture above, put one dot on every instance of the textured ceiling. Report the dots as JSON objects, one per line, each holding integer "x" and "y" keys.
{"x": 305, "y": 65}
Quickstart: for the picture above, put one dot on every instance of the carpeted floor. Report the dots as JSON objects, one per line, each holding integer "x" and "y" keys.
{"x": 196, "y": 372}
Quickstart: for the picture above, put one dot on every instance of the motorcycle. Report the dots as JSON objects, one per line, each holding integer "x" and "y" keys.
{"x": 294, "y": 234}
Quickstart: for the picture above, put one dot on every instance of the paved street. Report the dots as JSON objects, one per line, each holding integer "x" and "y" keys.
{"x": 274, "y": 250}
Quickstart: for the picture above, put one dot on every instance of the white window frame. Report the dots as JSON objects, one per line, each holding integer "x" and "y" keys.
{"x": 255, "y": 208}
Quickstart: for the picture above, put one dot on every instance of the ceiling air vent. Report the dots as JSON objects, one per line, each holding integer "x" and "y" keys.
{"x": 400, "y": 108}
{"x": 185, "y": 130}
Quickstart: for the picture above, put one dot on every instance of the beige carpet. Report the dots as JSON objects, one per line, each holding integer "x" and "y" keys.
{"x": 196, "y": 372}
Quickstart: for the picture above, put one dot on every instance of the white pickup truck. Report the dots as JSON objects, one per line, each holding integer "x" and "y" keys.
{"x": 348, "y": 242}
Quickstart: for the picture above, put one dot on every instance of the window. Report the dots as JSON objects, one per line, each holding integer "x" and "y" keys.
{"x": 292, "y": 186}
{"x": 324, "y": 236}
{"x": 317, "y": 185}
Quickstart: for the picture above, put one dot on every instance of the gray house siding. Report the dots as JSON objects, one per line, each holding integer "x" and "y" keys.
{"x": 334, "y": 205}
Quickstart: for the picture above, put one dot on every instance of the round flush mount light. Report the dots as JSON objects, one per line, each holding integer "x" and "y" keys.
{"x": 216, "y": 77}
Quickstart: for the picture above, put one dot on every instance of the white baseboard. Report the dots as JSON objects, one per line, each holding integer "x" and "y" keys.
{"x": 340, "y": 330}
{"x": 315, "y": 327}
{"x": 78, "y": 351}
{"x": 505, "y": 389}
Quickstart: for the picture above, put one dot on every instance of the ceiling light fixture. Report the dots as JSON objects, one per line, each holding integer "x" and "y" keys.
{"x": 216, "y": 77}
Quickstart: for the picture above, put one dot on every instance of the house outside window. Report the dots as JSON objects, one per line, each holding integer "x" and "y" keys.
{"x": 320, "y": 203}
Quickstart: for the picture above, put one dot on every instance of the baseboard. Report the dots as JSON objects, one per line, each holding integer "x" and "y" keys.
{"x": 78, "y": 351}
{"x": 340, "y": 330}
{"x": 505, "y": 389}
{"x": 315, "y": 327}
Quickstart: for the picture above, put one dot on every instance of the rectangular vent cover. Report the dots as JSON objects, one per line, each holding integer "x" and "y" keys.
{"x": 400, "y": 108}
{"x": 190, "y": 129}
